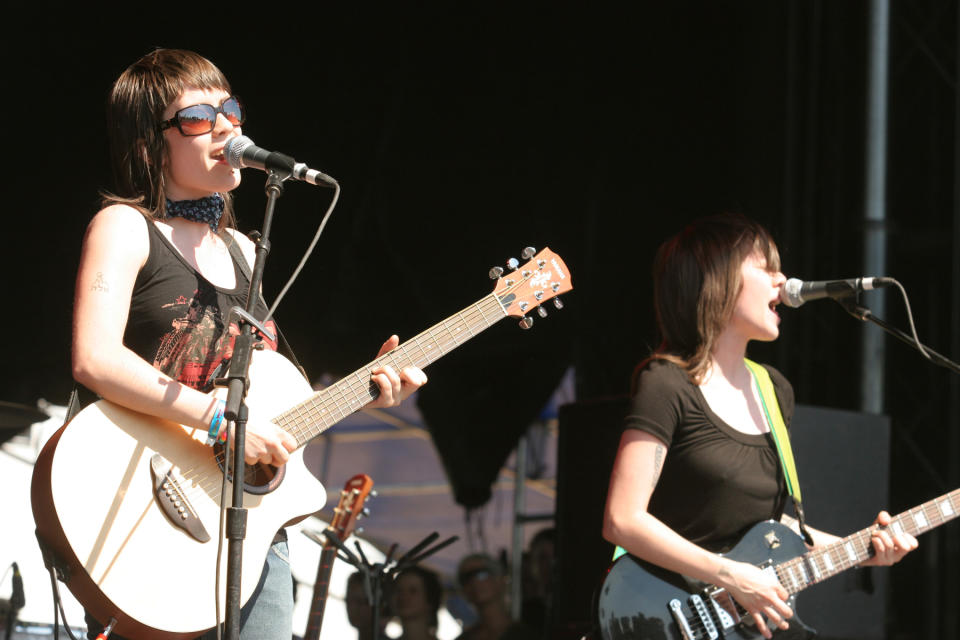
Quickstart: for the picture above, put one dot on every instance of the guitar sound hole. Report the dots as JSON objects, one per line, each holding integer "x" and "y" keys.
{"x": 259, "y": 478}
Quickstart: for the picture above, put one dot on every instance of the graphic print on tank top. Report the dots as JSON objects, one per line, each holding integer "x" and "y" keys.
{"x": 197, "y": 344}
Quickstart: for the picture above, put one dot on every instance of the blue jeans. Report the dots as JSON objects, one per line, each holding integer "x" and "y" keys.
{"x": 267, "y": 615}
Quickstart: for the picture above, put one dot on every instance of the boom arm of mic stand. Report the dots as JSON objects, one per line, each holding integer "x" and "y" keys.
{"x": 864, "y": 314}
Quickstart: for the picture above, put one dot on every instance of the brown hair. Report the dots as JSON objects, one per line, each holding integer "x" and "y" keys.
{"x": 135, "y": 109}
{"x": 432, "y": 590}
{"x": 696, "y": 281}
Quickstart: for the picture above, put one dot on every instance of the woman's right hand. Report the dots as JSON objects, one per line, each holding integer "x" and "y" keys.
{"x": 266, "y": 442}
{"x": 760, "y": 593}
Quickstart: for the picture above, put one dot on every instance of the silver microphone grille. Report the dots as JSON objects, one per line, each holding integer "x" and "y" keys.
{"x": 233, "y": 151}
{"x": 790, "y": 295}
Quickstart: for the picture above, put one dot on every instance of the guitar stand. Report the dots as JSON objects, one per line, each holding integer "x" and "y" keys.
{"x": 376, "y": 574}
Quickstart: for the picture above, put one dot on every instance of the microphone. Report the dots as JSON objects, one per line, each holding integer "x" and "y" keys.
{"x": 240, "y": 152}
{"x": 795, "y": 292}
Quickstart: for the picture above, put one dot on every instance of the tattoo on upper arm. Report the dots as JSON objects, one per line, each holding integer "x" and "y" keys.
{"x": 658, "y": 454}
{"x": 100, "y": 284}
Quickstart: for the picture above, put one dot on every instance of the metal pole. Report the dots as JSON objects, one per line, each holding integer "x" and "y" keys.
{"x": 519, "y": 505}
{"x": 873, "y": 354}
{"x": 951, "y": 552}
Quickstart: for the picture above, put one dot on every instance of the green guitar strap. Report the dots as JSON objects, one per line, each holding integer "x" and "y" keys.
{"x": 771, "y": 409}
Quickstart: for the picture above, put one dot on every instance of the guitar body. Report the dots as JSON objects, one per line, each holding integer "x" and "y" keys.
{"x": 94, "y": 503}
{"x": 635, "y": 598}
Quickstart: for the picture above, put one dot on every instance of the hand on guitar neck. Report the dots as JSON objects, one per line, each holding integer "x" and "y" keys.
{"x": 267, "y": 443}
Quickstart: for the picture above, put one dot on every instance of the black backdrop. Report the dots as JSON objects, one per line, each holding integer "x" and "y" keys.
{"x": 461, "y": 135}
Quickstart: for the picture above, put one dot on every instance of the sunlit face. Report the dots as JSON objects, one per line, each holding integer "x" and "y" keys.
{"x": 195, "y": 166}
{"x": 409, "y": 597}
{"x": 755, "y": 316}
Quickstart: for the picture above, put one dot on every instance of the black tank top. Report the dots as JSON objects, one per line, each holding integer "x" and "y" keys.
{"x": 178, "y": 318}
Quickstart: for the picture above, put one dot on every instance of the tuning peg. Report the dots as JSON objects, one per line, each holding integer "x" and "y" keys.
{"x": 526, "y": 322}
{"x": 528, "y": 253}
{"x": 365, "y": 513}
{"x": 513, "y": 263}
{"x": 373, "y": 493}
{"x": 541, "y": 312}
{"x": 558, "y": 303}
{"x": 495, "y": 272}
{"x": 358, "y": 530}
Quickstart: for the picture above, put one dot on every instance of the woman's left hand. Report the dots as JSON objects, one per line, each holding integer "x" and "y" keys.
{"x": 890, "y": 547}
{"x": 395, "y": 387}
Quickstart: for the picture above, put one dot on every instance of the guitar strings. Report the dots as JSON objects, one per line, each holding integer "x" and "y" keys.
{"x": 915, "y": 521}
{"x": 315, "y": 409}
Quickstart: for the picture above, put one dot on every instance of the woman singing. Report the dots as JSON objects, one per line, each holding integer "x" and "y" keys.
{"x": 697, "y": 466}
{"x": 157, "y": 278}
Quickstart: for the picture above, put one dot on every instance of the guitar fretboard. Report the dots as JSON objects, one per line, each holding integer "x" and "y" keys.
{"x": 325, "y": 408}
{"x": 818, "y": 565}
{"x": 321, "y": 586}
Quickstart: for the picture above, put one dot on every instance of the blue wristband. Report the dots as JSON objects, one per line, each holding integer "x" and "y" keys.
{"x": 216, "y": 422}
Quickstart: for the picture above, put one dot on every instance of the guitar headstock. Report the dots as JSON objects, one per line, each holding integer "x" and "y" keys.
{"x": 350, "y": 507}
{"x": 543, "y": 277}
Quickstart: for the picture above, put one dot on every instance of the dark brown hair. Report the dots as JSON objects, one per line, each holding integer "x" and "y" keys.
{"x": 696, "y": 281}
{"x": 432, "y": 589}
{"x": 135, "y": 109}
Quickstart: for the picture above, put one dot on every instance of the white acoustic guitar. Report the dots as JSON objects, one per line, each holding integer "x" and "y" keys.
{"x": 130, "y": 504}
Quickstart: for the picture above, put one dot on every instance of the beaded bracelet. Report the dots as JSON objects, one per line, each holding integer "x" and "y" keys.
{"x": 213, "y": 434}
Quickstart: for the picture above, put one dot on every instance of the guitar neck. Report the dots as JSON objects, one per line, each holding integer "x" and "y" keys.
{"x": 818, "y": 565}
{"x": 325, "y": 408}
{"x": 320, "y": 588}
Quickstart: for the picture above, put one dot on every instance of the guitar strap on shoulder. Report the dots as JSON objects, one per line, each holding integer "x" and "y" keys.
{"x": 778, "y": 429}
{"x": 241, "y": 261}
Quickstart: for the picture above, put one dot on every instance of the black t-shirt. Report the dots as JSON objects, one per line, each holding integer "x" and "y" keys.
{"x": 716, "y": 481}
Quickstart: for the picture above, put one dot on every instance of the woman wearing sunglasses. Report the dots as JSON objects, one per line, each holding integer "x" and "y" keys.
{"x": 697, "y": 466}
{"x": 157, "y": 278}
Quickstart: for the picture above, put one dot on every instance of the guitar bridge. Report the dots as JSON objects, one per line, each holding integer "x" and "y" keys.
{"x": 173, "y": 501}
{"x": 725, "y": 608}
{"x": 701, "y": 613}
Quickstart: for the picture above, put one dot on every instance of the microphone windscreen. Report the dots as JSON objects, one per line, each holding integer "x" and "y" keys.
{"x": 233, "y": 151}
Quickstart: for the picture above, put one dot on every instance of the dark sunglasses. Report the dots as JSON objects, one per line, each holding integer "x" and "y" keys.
{"x": 198, "y": 119}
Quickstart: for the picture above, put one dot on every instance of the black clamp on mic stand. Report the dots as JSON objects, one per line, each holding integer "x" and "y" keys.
{"x": 237, "y": 383}
{"x": 864, "y": 314}
{"x": 375, "y": 575}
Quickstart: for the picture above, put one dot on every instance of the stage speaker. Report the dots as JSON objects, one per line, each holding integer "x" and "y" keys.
{"x": 843, "y": 463}
{"x": 843, "y": 466}
{"x": 587, "y": 440}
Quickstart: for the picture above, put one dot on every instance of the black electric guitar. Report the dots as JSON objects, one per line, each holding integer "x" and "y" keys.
{"x": 640, "y": 601}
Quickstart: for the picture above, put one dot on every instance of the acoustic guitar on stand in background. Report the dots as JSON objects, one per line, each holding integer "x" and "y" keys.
{"x": 345, "y": 516}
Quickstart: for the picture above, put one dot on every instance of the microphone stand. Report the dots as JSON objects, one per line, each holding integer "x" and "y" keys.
{"x": 237, "y": 382}
{"x": 376, "y": 574}
{"x": 864, "y": 314}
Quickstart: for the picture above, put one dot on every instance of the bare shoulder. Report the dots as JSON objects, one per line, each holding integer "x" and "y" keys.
{"x": 118, "y": 231}
{"x": 119, "y": 219}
